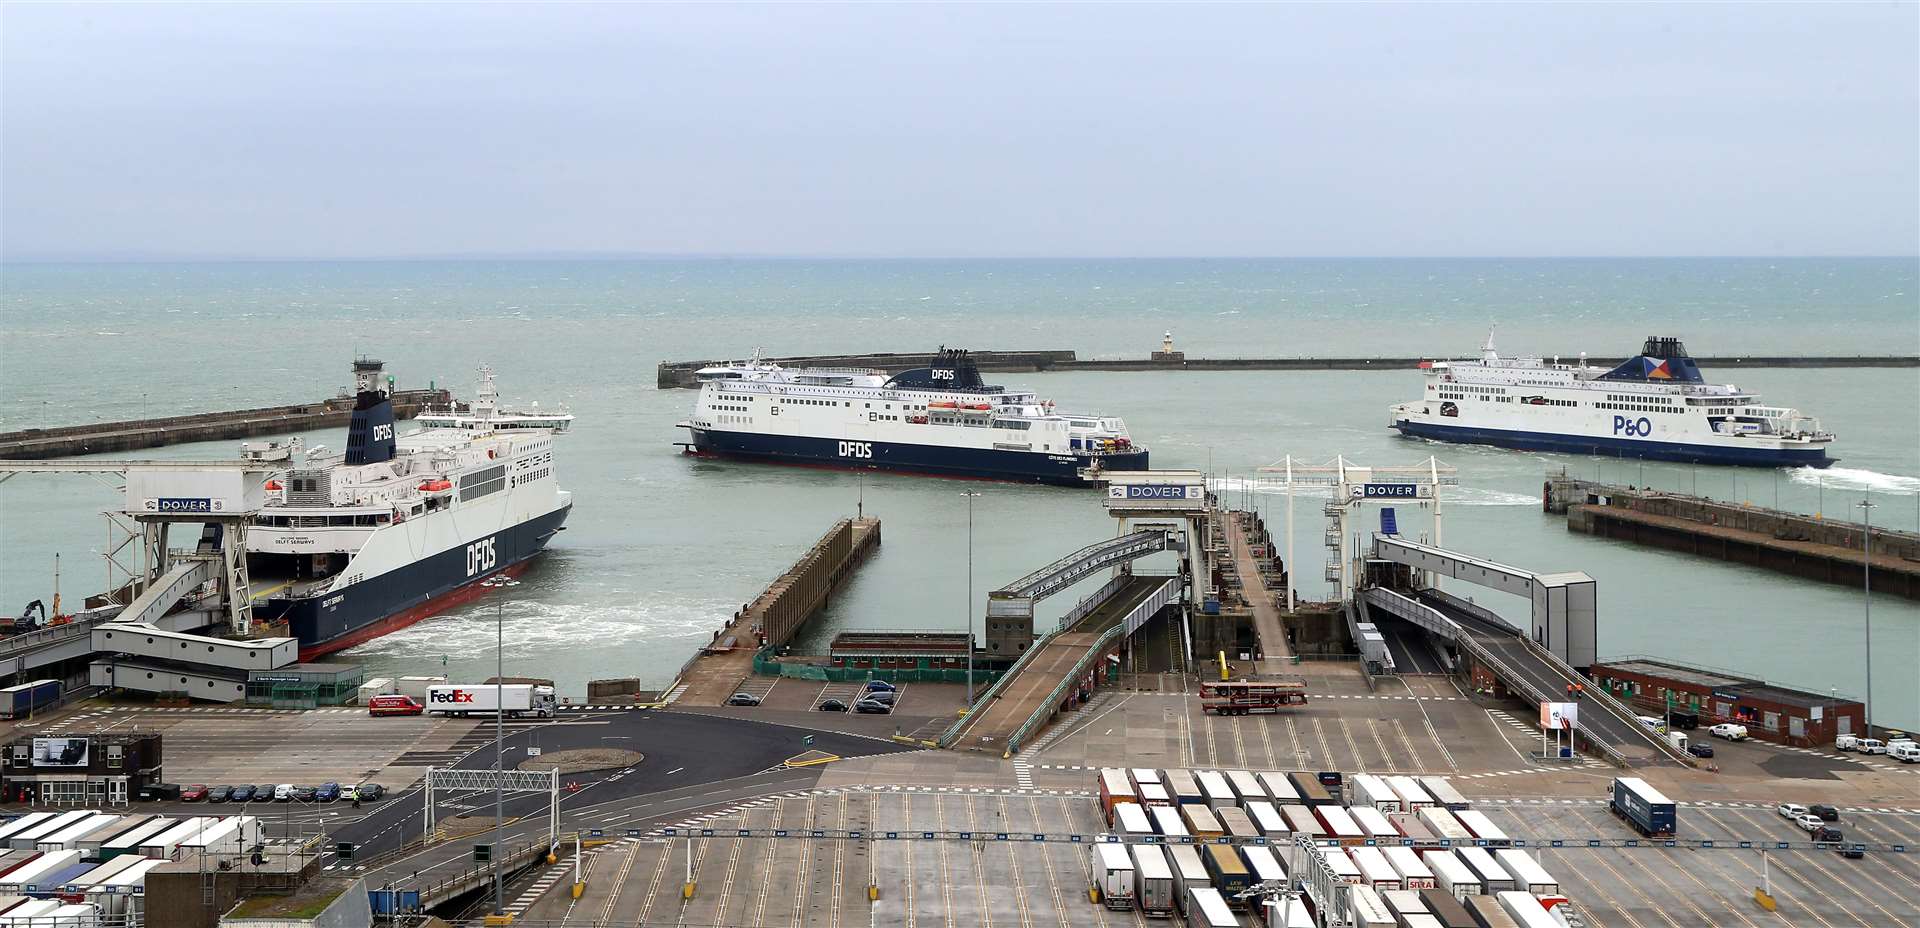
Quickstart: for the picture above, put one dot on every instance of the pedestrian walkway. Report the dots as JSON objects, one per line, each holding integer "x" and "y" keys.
{"x": 1266, "y": 616}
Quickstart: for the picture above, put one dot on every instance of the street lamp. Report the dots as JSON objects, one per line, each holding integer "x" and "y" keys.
{"x": 499, "y": 747}
{"x": 971, "y": 496}
{"x": 1866, "y": 598}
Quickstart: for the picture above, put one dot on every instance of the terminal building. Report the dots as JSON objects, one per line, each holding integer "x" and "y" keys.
{"x": 1770, "y": 713}
{"x": 79, "y": 769}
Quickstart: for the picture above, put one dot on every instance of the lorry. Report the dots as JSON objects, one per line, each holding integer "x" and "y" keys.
{"x": 18, "y": 702}
{"x": 1643, "y": 807}
{"x": 1115, "y": 868}
{"x": 1153, "y": 885}
{"x": 1244, "y": 697}
{"x": 515, "y": 699}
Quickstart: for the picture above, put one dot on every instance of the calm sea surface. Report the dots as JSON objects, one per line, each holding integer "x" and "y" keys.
{"x": 661, "y": 548}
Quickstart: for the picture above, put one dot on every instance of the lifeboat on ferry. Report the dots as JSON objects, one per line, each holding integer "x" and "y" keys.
{"x": 943, "y": 404}
{"x": 436, "y": 486}
{"x": 978, "y": 407}
{"x": 917, "y": 420}
{"x": 273, "y": 486}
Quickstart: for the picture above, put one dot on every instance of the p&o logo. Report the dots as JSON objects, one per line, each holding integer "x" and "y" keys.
{"x": 1632, "y": 428}
{"x": 481, "y": 557}
{"x": 856, "y": 449}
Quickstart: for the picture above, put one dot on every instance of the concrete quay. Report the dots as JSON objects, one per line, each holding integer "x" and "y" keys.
{"x": 107, "y": 437}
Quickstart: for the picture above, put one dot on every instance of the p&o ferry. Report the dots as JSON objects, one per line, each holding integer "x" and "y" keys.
{"x": 1655, "y": 406}
{"x": 941, "y": 420}
{"x": 353, "y": 546}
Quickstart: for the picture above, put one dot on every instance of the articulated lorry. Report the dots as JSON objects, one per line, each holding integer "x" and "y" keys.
{"x": 515, "y": 699}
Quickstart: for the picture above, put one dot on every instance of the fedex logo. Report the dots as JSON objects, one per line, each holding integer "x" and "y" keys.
{"x": 449, "y": 696}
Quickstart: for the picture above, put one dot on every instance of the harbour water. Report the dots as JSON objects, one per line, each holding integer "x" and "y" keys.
{"x": 661, "y": 547}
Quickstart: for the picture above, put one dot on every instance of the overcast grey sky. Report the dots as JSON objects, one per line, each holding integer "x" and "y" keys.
{"x": 980, "y": 130}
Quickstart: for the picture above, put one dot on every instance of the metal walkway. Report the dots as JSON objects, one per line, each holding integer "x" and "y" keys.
{"x": 1564, "y": 614}
{"x": 1085, "y": 562}
{"x": 1022, "y": 701}
{"x": 1527, "y": 669}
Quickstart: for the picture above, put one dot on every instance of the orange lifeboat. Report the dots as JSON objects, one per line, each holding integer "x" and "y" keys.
{"x": 943, "y": 404}
{"x": 273, "y": 486}
{"x": 978, "y": 407}
{"x": 436, "y": 486}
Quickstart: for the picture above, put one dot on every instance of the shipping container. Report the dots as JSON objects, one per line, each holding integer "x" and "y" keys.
{"x": 24, "y": 822}
{"x": 1649, "y": 812}
{"x": 128, "y": 842}
{"x": 1154, "y": 794}
{"x": 1185, "y": 790}
{"x": 1154, "y": 887}
{"x": 1483, "y": 827}
{"x": 1414, "y": 872}
{"x": 1410, "y": 826}
{"x": 1265, "y": 865}
{"x": 1343, "y": 867}
{"x": 1279, "y": 788}
{"x": 1372, "y": 791}
{"x": 1374, "y": 823}
{"x": 1132, "y": 821}
{"x": 1167, "y": 821}
{"x": 1528, "y": 875}
{"x": 1206, "y": 909}
{"x": 1201, "y": 822}
{"x": 1214, "y": 784}
{"x": 1374, "y": 869}
{"x": 1238, "y": 824}
{"x": 1447, "y": 909}
{"x": 30, "y": 875}
{"x": 1367, "y": 909}
{"x": 1311, "y": 790}
{"x": 1188, "y": 871}
{"x": 1413, "y": 797}
{"x": 1144, "y": 775}
{"x": 1288, "y": 913}
{"x": 1302, "y": 821}
{"x": 1115, "y": 789}
{"x": 1452, "y": 874}
{"x": 1340, "y": 824}
{"x": 1267, "y": 818}
{"x": 1404, "y": 902}
{"x": 1230, "y": 874}
{"x": 1527, "y": 910}
{"x": 1493, "y": 877}
{"x": 68, "y": 838}
{"x": 23, "y": 700}
{"x": 1488, "y": 911}
{"x": 1445, "y": 825}
{"x": 1115, "y": 868}
{"x": 1443, "y": 792}
{"x": 29, "y": 839}
{"x": 1246, "y": 786}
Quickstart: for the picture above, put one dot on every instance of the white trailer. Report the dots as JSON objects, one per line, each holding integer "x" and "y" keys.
{"x": 160, "y": 845}
{"x": 24, "y": 822}
{"x": 1452, "y": 874}
{"x": 30, "y": 874}
{"x": 1340, "y": 824}
{"x": 1374, "y": 823}
{"x": 516, "y": 699}
{"x": 1133, "y": 820}
{"x": 69, "y": 915}
{"x": 38, "y": 908}
{"x": 1279, "y": 788}
{"x": 1171, "y": 825}
{"x": 1302, "y": 821}
{"x": 68, "y": 838}
{"x": 116, "y": 894}
{"x": 1154, "y": 794}
{"x": 1115, "y": 868}
{"x": 1527, "y": 910}
{"x": 1188, "y": 870}
{"x": 221, "y": 838}
{"x": 1414, "y": 872}
{"x": 1372, "y": 791}
{"x": 1288, "y": 913}
{"x": 128, "y": 842}
{"x": 1442, "y": 823}
{"x": 1483, "y": 827}
{"x": 1405, "y": 902}
{"x": 91, "y": 843}
{"x": 1443, "y": 792}
{"x": 1412, "y": 797}
{"x": 1268, "y": 819}
{"x": 1214, "y": 784}
{"x": 1343, "y": 867}
{"x": 1375, "y": 871}
{"x": 1207, "y": 909}
{"x": 1154, "y": 886}
{"x": 1246, "y": 785}
{"x": 1493, "y": 877}
{"x": 8, "y": 902}
{"x": 28, "y": 839}
{"x": 1264, "y": 865}
{"x": 105, "y": 871}
{"x": 1367, "y": 909}
{"x": 1528, "y": 875}
{"x": 1144, "y": 775}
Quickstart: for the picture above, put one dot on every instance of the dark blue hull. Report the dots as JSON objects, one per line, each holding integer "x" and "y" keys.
{"x": 398, "y": 598}
{"x": 937, "y": 460}
{"x": 1619, "y": 447}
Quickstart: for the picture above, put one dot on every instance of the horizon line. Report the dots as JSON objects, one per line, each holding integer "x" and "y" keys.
{"x": 555, "y": 256}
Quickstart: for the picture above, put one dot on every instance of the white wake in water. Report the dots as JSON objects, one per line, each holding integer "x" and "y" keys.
{"x": 1853, "y": 478}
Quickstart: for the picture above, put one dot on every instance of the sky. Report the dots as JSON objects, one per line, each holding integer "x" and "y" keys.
{"x": 374, "y": 130}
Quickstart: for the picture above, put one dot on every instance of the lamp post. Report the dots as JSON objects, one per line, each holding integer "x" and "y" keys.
{"x": 1866, "y": 599}
{"x": 499, "y": 748}
{"x": 971, "y": 496}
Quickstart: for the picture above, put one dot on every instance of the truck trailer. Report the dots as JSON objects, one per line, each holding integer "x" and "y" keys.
{"x": 515, "y": 699}
{"x": 18, "y": 702}
{"x": 1645, "y": 808}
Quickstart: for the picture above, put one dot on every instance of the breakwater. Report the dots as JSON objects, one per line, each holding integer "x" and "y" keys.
{"x": 680, "y": 374}
{"x": 105, "y": 437}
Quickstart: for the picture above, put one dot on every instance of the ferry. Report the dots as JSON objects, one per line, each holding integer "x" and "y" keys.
{"x": 355, "y": 545}
{"x": 941, "y": 420}
{"x": 1655, "y": 406}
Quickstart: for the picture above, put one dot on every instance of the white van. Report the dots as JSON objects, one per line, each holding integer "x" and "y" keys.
{"x": 1729, "y": 731}
{"x": 1907, "y": 753}
{"x": 1846, "y": 742}
{"x": 1870, "y": 746}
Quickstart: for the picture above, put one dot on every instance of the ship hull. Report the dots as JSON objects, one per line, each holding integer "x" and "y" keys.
{"x": 903, "y": 457}
{"x": 388, "y": 602}
{"x": 1644, "y": 449}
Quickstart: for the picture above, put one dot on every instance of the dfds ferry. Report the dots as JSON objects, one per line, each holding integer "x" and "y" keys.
{"x": 1655, "y": 406}
{"x": 350, "y": 547}
{"x": 940, "y": 420}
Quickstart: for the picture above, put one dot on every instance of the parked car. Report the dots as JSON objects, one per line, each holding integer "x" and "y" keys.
{"x": 872, "y": 707}
{"x": 263, "y": 793}
{"x": 1851, "y": 851}
{"x": 1700, "y": 749}
{"x": 1790, "y": 810}
{"x": 743, "y": 699}
{"x": 1870, "y": 746}
{"x": 880, "y": 685}
{"x": 1825, "y": 835}
{"x": 1729, "y": 731}
{"x": 303, "y": 793}
{"x": 885, "y": 696}
{"x": 1650, "y": 723}
{"x": 1846, "y": 742}
{"x": 369, "y": 792}
{"x": 220, "y": 794}
{"x": 1811, "y": 823}
{"x": 394, "y": 704}
{"x": 241, "y": 793}
{"x": 283, "y": 792}
{"x": 327, "y": 792}
{"x": 193, "y": 793}
{"x": 1826, "y": 813}
{"x": 831, "y": 705}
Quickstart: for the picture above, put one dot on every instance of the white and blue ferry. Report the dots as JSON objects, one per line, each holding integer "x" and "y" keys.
{"x": 1654, "y": 406}
{"x": 941, "y": 420}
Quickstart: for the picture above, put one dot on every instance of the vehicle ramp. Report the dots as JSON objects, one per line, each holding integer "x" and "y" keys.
{"x": 173, "y": 586}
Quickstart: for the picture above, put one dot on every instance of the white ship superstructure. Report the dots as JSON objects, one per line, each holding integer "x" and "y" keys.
{"x": 1655, "y": 406}
{"x": 351, "y": 546}
{"x": 941, "y": 419}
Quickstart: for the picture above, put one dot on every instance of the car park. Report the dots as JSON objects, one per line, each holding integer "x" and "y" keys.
{"x": 831, "y": 705}
{"x": 1729, "y": 731}
{"x": 220, "y": 794}
{"x": 1824, "y": 813}
{"x": 283, "y": 792}
{"x": 872, "y": 707}
{"x": 743, "y": 699}
{"x": 1700, "y": 749}
{"x": 193, "y": 793}
{"x": 327, "y": 792}
{"x": 1790, "y": 810}
{"x": 241, "y": 793}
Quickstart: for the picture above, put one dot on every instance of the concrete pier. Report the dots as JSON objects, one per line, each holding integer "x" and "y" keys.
{"x": 107, "y": 437}
{"x": 1792, "y": 543}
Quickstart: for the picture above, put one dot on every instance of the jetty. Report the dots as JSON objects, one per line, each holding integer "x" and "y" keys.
{"x": 108, "y": 437}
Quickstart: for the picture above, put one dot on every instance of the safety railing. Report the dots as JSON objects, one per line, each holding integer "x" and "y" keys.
{"x": 1047, "y": 708}
{"x": 986, "y": 698}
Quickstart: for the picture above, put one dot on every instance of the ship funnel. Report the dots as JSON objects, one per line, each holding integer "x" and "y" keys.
{"x": 370, "y": 431}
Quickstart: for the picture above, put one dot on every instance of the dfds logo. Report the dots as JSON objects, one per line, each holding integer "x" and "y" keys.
{"x": 383, "y": 432}
{"x": 943, "y": 375}
{"x": 481, "y": 557}
{"x": 1633, "y": 428}
{"x": 856, "y": 449}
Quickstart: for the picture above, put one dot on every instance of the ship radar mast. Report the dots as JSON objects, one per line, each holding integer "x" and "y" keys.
{"x": 1487, "y": 354}
{"x": 487, "y": 400}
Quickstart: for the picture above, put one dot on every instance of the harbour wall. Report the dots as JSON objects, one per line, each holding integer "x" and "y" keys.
{"x": 1827, "y": 550}
{"x": 106, "y": 437}
{"x": 680, "y": 374}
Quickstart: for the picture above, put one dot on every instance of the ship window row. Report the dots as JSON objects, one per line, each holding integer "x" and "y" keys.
{"x": 734, "y": 420}
{"x": 1471, "y": 389}
{"x": 1014, "y": 424}
{"x": 531, "y": 476}
{"x": 364, "y": 520}
{"x": 722, "y": 406}
{"x": 1636, "y": 407}
{"x": 1627, "y": 398}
